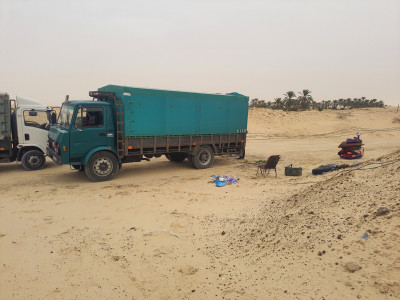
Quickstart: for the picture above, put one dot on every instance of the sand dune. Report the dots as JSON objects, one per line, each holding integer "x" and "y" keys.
{"x": 160, "y": 230}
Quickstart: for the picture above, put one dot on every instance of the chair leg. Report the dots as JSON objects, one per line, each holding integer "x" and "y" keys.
{"x": 276, "y": 175}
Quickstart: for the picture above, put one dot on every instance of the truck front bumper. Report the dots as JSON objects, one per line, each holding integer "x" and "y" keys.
{"x": 54, "y": 156}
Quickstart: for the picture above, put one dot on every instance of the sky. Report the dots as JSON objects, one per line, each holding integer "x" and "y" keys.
{"x": 262, "y": 49}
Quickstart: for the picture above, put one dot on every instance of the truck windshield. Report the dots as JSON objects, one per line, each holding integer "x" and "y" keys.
{"x": 38, "y": 118}
{"x": 64, "y": 119}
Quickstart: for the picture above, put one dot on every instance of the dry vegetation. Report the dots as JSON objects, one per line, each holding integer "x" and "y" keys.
{"x": 343, "y": 115}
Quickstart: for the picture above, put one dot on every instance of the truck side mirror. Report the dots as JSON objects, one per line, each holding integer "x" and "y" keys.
{"x": 78, "y": 125}
{"x": 53, "y": 118}
{"x": 33, "y": 113}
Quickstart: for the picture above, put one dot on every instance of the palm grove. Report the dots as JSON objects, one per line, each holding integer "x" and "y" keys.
{"x": 305, "y": 101}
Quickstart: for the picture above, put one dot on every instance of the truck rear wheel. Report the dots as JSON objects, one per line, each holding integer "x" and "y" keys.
{"x": 203, "y": 158}
{"x": 102, "y": 166}
{"x": 176, "y": 157}
{"x": 33, "y": 160}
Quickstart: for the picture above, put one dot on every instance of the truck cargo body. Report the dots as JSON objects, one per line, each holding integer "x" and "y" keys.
{"x": 136, "y": 124}
{"x": 6, "y": 149}
{"x": 161, "y": 113}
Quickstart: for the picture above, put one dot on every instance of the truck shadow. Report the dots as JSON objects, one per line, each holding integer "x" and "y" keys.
{"x": 167, "y": 168}
{"x": 17, "y": 167}
{"x": 154, "y": 168}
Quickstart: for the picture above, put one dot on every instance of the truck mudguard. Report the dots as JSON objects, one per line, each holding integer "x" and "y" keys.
{"x": 97, "y": 149}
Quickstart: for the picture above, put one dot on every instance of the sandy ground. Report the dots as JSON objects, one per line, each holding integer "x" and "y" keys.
{"x": 160, "y": 230}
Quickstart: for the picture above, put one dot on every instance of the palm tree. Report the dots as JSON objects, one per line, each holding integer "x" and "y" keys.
{"x": 341, "y": 103}
{"x": 290, "y": 95}
{"x": 278, "y": 103}
{"x": 289, "y": 101}
{"x": 262, "y": 104}
{"x": 348, "y": 103}
{"x": 254, "y": 102}
{"x": 356, "y": 102}
{"x": 305, "y": 99}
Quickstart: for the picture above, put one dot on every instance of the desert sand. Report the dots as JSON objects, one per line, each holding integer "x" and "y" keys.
{"x": 161, "y": 230}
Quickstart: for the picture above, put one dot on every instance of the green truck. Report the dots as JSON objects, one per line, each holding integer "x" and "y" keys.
{"x": 125, "y": 124}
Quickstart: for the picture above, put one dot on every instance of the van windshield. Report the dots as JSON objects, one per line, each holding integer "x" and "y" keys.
{"x": 64, "y": 119}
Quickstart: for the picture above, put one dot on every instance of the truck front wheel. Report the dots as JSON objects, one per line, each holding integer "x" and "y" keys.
{"x": 102, "y": 166}
{"x": 203, "y": 158}
{"x": 33, "y": 160}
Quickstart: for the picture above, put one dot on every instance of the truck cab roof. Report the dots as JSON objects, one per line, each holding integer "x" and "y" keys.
{"x": 86, "y": 103}
{"x": 29, "y": 102}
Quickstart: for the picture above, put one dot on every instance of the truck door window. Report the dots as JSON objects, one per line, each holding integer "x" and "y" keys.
{"x": 36, "y": 119}
{"x": 65, "y": 116}
{"x": 90, "y": 117}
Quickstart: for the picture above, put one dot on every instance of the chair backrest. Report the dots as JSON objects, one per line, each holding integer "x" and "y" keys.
{"x": 272, "y": 161}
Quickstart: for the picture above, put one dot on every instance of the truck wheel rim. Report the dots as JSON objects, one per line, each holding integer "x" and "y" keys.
{"x": 205, "y": 157}
{"x": 34, "y": 161}
{"x": 103, "y": 166}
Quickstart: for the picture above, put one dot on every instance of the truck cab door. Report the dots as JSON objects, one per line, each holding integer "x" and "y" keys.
{"x": 34, "y": 129}
{"x": 89, "y": 131}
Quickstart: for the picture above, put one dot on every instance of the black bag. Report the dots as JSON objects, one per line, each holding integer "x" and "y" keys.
{"x": 324, "y": 169}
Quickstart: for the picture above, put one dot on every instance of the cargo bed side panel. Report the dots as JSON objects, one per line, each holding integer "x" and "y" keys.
{"x": 5, "y": 125}
{"x": 160, "y": 113}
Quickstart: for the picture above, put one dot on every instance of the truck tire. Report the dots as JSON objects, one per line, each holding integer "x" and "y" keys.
{"x": 33, "y": 160}
{"x": 203, "y": 158}
{"x": 176, "y": 157}
{"x": 102, "y": 166}
{"x": 190, "y": 160}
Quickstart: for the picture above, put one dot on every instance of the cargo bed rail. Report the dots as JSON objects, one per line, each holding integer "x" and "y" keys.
{"x": 230, "y": 144}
